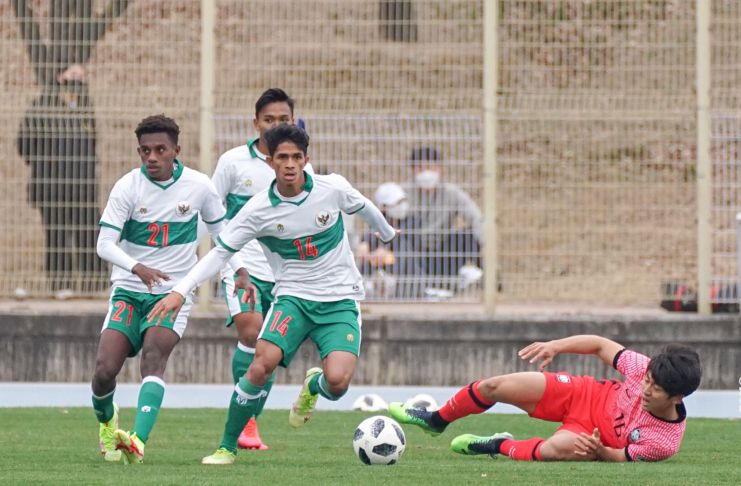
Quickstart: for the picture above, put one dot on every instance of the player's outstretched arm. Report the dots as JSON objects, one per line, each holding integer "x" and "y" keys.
{"x": 374, "y": 217}
{"x": 604, "y": 348}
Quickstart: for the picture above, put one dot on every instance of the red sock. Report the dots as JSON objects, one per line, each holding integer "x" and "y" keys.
{"x": 522, "y": 450}
{"x": 467, "y": 401}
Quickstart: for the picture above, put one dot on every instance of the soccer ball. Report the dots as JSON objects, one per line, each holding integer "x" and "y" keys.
{"x": 370, "y": 403}
{"x": 379, "y": 440}
{"x": 423, "y": 401}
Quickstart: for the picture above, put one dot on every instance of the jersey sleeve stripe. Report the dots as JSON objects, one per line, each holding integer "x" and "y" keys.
{"x": 221, "y": 242}
{"x": 615, "y": 362}
{"x": 356, "y": 210}
{"x": 215, "y": 221}
{"x": 627, "y": 454}
{"x": 108, "y": 225}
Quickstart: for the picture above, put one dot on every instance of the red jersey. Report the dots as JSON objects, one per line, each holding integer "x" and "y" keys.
{"x": 644, "y": 436}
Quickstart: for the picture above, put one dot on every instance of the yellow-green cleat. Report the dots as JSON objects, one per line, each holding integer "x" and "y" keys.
{"x": 471, "y": 445}
{"x": 131, "y": 446}
{"x": 415, "y": 416}
{"x": 304, "y": 405}
{"x": 107, "y": 443}
{"x": 221, "y": 457}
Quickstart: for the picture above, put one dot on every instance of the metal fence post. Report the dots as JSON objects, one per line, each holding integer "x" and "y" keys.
{"x": 704, "y": 163}
{"x": 490, "y": 154}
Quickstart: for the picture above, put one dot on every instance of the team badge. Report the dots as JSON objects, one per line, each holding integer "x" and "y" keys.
{"x": 635, "y": 435}
{"x": 142, "y": 210}
{"x": 183, "y": 208}
{"x": 563, "y": 378}
{"x": 248, "y": 182}
{"x": 350, "y": 338}
{"x": 280, "y": 228}
{"x": 322, "y": 219}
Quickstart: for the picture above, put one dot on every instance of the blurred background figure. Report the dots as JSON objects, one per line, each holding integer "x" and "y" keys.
{"x": 393, "y": 270}
{"x": 57, "y": 139}
{"x": 447, "y": 225}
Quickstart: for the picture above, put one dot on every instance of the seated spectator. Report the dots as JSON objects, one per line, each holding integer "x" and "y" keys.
{"x": 392, "y": 270}
{"x": 447, "y": 223}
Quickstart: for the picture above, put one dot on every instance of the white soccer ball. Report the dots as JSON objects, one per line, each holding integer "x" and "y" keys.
{"x": 423, "y": 401}
{"x": 379, "y": 440}
{"x": 370, "y": 403}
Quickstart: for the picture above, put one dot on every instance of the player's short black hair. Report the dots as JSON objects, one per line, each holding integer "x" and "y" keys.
{"x": 676, "y": 369}
{"x": 272, "y": 95}
{"x": 158, "y": 124}
{"x": 286, "y": 133}
{"x": 421, "y": 154}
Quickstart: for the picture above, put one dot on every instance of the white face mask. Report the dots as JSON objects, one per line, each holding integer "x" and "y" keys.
{"x": 427, "y": 179}
{"x": 398, "y": 211}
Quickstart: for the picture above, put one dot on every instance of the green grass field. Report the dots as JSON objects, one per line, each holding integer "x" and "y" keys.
{"x": 60, "y": 446}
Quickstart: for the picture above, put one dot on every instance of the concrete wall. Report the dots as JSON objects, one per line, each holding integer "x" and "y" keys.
{"x": 396, "y": 351}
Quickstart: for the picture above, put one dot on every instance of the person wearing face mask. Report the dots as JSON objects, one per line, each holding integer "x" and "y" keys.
{"x": 448, "y": 224}
{"x": 393, "y": 269}
{"x": 57, "y": 140}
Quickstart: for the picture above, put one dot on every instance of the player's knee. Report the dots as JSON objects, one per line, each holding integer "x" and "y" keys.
{"x": 260, "y": 371}
{"x": 556, "y": 452}
{"x": 152, "y": 362}
{"x": 338, "y": 382}
{"x": 248, "y": 328}
{"x": 105, "y": 373}
{"x": 489, "y": 387}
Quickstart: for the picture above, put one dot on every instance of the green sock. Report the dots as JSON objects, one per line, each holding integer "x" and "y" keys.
{"x": 268, "y": 386}
{"x": 103, "y": 406}
{"x": 241, "y": 360}
{"x": 318, "y": 384}
{"x": 150, "y": 400}
{"x": 246, "y": 400}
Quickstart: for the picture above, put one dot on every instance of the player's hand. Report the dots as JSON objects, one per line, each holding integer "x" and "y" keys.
{"x": 588, "y": 445}
{"x": 396, "y": 233}
{"x": 150, "y": 276}
{"x": 539, "y": 351}
{"x": 250, "y": 292}
{"x": 170, "y": 304}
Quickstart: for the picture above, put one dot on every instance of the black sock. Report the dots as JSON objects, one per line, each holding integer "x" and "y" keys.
{"x": 437, "y": 421}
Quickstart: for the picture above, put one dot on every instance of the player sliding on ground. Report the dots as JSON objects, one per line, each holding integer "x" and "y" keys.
{"x": 298, "y": 222}
{"x": 149, "y": 233}
{"x": 639, "y": 419}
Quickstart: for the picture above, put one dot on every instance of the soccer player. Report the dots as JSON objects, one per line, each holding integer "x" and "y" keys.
{"x": 639, "y": 419}
{"x": 148, "y": 232}
{"x": 298, "y": 222}
{"x": 242, "y": 172}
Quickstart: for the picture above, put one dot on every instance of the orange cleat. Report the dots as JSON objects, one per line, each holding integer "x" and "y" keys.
{"x": 250, "y": 437}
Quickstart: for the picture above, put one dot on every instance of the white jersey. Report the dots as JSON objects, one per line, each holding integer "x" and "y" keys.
{"x": 158, "y": 222}
{"x": 241, "y": 173}
{"x": 304, "y": 238}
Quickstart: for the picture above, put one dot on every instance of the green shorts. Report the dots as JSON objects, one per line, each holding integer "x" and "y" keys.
{"x": 333, "y": 326}
{"x": 263, "y": 299}
{"x": 127, "y": 313}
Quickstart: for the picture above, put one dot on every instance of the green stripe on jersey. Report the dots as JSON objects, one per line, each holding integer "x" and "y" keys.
{"x": 160, "y": 234}
{"x": 234, "y": 203}
{"x": 307, "y": 247}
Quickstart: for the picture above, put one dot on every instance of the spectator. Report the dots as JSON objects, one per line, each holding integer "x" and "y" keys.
{"x": 448, "y": 223}
{"x": 392, "y": 270}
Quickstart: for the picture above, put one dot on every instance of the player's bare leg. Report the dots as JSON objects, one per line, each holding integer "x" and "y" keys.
{"x": 156, "y": 349}
{"x": 248, "y": 327}
{"x": 331, "y": 382}
{"x": 113, "y": 348}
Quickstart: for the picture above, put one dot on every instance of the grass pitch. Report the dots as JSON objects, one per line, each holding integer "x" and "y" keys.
{"x": 55, "y": 446}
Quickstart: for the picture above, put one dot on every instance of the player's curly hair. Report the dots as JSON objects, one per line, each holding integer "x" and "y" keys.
{"x": 676, "y": 369}
{"x": 286, "y": 133}
{"x": 158, "y": 124}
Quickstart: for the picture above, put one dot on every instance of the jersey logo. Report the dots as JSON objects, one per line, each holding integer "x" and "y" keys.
{"x": 248, "y": 182}
{"x": 322, "y": 219}
{"x": 183, "y": 208}
{"x": 635, "y": 435}
{"x": 563, "y": 378}
{"x": 280, "y": 228}
{"x": 350, "y": 338}
{"x": 142, "y": 210}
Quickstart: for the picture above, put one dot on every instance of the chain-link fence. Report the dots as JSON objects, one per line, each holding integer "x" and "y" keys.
{"x": 596, "y": 139}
